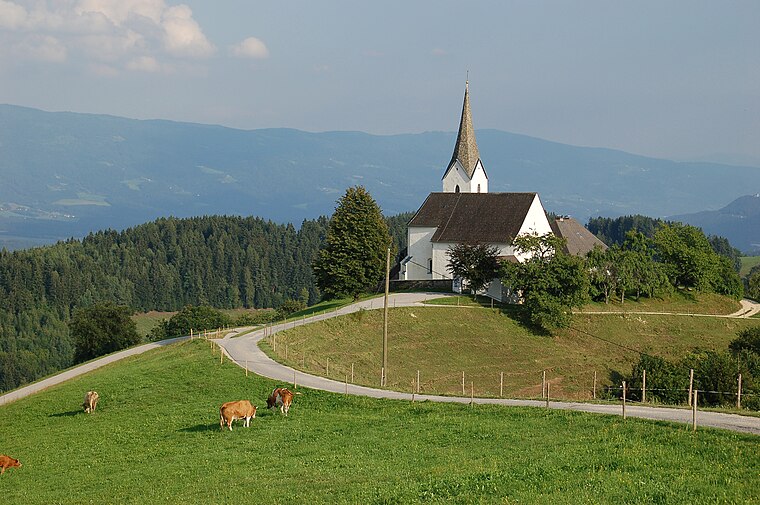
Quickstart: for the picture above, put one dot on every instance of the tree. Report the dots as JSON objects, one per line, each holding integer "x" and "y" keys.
{"x": 475, "y": 264}
{"x": 353, "y": 257}
{"x": 753, "y": 283}
{"x": 550, "y": 282}
{"x": 102, "y": 329}
{"x": 195, "y": 318}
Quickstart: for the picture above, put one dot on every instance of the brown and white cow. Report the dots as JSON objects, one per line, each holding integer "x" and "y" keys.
{"x": 7, "y": 462}
{"x": 241, "y": 409}
{"x": 90, "y": 401}
{"x": 281, "y": 397}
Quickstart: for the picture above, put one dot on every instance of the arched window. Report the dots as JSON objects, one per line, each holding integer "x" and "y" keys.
{"x": 430, "y": 261}
{"x": 456, "y": 190}
{"x": 478, "y": 188}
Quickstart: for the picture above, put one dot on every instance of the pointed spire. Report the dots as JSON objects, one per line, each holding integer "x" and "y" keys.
{"x": 466, "y": 149}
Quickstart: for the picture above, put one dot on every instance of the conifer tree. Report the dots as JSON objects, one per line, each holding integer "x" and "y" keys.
{"x": 352, "y": 259}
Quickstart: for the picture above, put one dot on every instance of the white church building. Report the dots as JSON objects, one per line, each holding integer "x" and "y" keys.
{"x": 465, "y": 212}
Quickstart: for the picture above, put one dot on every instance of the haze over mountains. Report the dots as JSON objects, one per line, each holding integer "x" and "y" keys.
{"x": 65, "y": 174}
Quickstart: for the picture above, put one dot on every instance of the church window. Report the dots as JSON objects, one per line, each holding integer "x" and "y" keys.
{"x": 456, "y": 190}
{"x": 478, "y": 188}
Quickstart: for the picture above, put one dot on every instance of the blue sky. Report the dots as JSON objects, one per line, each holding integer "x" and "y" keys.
{"x": 677, "y": 79}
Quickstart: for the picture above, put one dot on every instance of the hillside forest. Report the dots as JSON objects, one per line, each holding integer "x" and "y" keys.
{"x": 168, "y": 264}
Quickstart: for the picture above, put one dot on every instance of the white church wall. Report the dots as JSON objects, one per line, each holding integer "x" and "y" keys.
{"x": 535, "y": 223}
{"x": 457, "y": 176}
{"x": 420, "y": 249}
{"x": 479, "y": 179}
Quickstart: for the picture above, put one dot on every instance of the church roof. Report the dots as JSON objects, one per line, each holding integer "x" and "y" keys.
{"x": 466, "y": 148}
{"x": 474, "y": 217}
{"x": 579, "y": 240}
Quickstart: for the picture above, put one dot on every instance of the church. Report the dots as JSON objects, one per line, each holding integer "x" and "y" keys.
{"x": 465, "y": 212}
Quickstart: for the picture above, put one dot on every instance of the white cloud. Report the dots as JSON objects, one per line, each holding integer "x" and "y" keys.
{"x": 250, "y": 48}
{"x": 144, "y": 64}
{"x": 12, "y": 15}
{"x": 106, "y": 34}
{"x": 182, "y": 35}
{"x": 43, "y": 48}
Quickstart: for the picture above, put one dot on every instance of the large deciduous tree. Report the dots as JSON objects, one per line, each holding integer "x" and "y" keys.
{"x": 352, "y": 259}
{"x": 102, "y": 329}
{"x": 550, "y": 282}
{"x": 475, "y": 264}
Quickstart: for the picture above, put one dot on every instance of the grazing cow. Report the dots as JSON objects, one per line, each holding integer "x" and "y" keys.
{"x": 281, "y": 397}
{"x": 241, "y": 409}
{"x": 90, "y": 401}
{"x": 7, "y": 462}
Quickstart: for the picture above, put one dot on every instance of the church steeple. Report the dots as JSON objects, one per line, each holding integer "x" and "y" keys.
{"x": 465, "y": 172}
{"x": 466, "y": 148}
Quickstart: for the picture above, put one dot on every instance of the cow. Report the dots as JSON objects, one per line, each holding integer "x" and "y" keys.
{"x": 241, "y": 409}
{"x": 281, "y": 397}
{"x": 90, "y": 401}
{"x": 7, "y": 462}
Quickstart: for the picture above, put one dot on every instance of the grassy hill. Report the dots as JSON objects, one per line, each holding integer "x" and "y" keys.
{"x": 155, "y": 438}
{"x": 444, "y": 342}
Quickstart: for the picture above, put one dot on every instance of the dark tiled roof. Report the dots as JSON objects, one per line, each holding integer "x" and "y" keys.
{"x": 474, "y": 217}
{"x": 579, "y": 240}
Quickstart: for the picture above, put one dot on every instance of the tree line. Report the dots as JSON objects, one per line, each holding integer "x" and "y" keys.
{"x": 167, "y": 264}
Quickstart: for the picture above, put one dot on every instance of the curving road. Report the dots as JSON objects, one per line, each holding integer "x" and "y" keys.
{"x": 244, "y": 350}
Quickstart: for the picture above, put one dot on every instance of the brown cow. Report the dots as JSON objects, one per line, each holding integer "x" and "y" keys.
{"x": 7, "y": 462}
{"x": 281, "y": 397}
{"x": 90, "y": 401}
{"x": 241, "y": 409}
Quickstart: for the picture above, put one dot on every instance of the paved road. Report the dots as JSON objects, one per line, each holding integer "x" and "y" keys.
{"x": 81, "y": 369}
{"x": 244, "y": 350}
{"x": 748, "y": 309}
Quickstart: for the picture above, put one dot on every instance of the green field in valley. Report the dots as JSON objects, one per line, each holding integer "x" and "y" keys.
{"x": 747, "y": 263}
{"x": 155, "y": 438}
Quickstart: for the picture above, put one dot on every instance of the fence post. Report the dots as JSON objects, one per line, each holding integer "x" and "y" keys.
{"x": 352, "y": 373}
{"x": 327, "y": 371}
{"x": 739, "y": 394}
{"x": 501, "y": 385}
{"x": 295, "y": 383}
{"x": 694, "y": 413}
{"x": 286, "y": 350}
{"x": 623, "y": 399}
{"x": 346, "y": 383}
{"x": 547, "y": 395}
{"x": 691, "y": 384}
{"x": 543, "y": 384}
{"x": 644, "y": 388}
{"x": 382, "y": 376}
{"x": 221, "y": 355}
{"x": 594, "y": 384}
{"x": 463, "y": 393}
{"x": 246, "y": 368}
{"x": 472, "y": 394}
{"x": 274, "y": 342}
{"x": 418, "y": 381}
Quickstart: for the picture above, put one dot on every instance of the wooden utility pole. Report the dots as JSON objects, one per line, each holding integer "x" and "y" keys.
{"x": 385, "y": 314}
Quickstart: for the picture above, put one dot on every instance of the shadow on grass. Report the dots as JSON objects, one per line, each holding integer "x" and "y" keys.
{"x": 201, "y": 428}
{"x": 521, "y": 315}
{"x": 70, "y": 413}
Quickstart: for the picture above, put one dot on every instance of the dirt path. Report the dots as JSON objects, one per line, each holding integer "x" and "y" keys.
{"x": 748, "y": 309}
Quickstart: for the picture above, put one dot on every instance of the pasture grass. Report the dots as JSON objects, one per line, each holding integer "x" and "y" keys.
{"x": 443, "y": 342}
{"x": 155, "y": 438}
{"x": 679, "y": 302}
{"x": 747, "y": 263}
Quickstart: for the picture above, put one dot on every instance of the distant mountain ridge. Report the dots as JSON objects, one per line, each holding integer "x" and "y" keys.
{"x": 64, "y": 174}
{"x": 739, "y": 222}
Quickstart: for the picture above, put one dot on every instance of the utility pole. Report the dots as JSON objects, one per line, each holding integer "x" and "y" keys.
{"x": 385, "y": 315}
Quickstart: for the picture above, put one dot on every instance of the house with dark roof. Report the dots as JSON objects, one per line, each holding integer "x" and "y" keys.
{"x": 465, "y": 212}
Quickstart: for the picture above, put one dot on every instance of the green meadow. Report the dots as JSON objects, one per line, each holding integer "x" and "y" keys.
{"x": 155, "y": 438}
